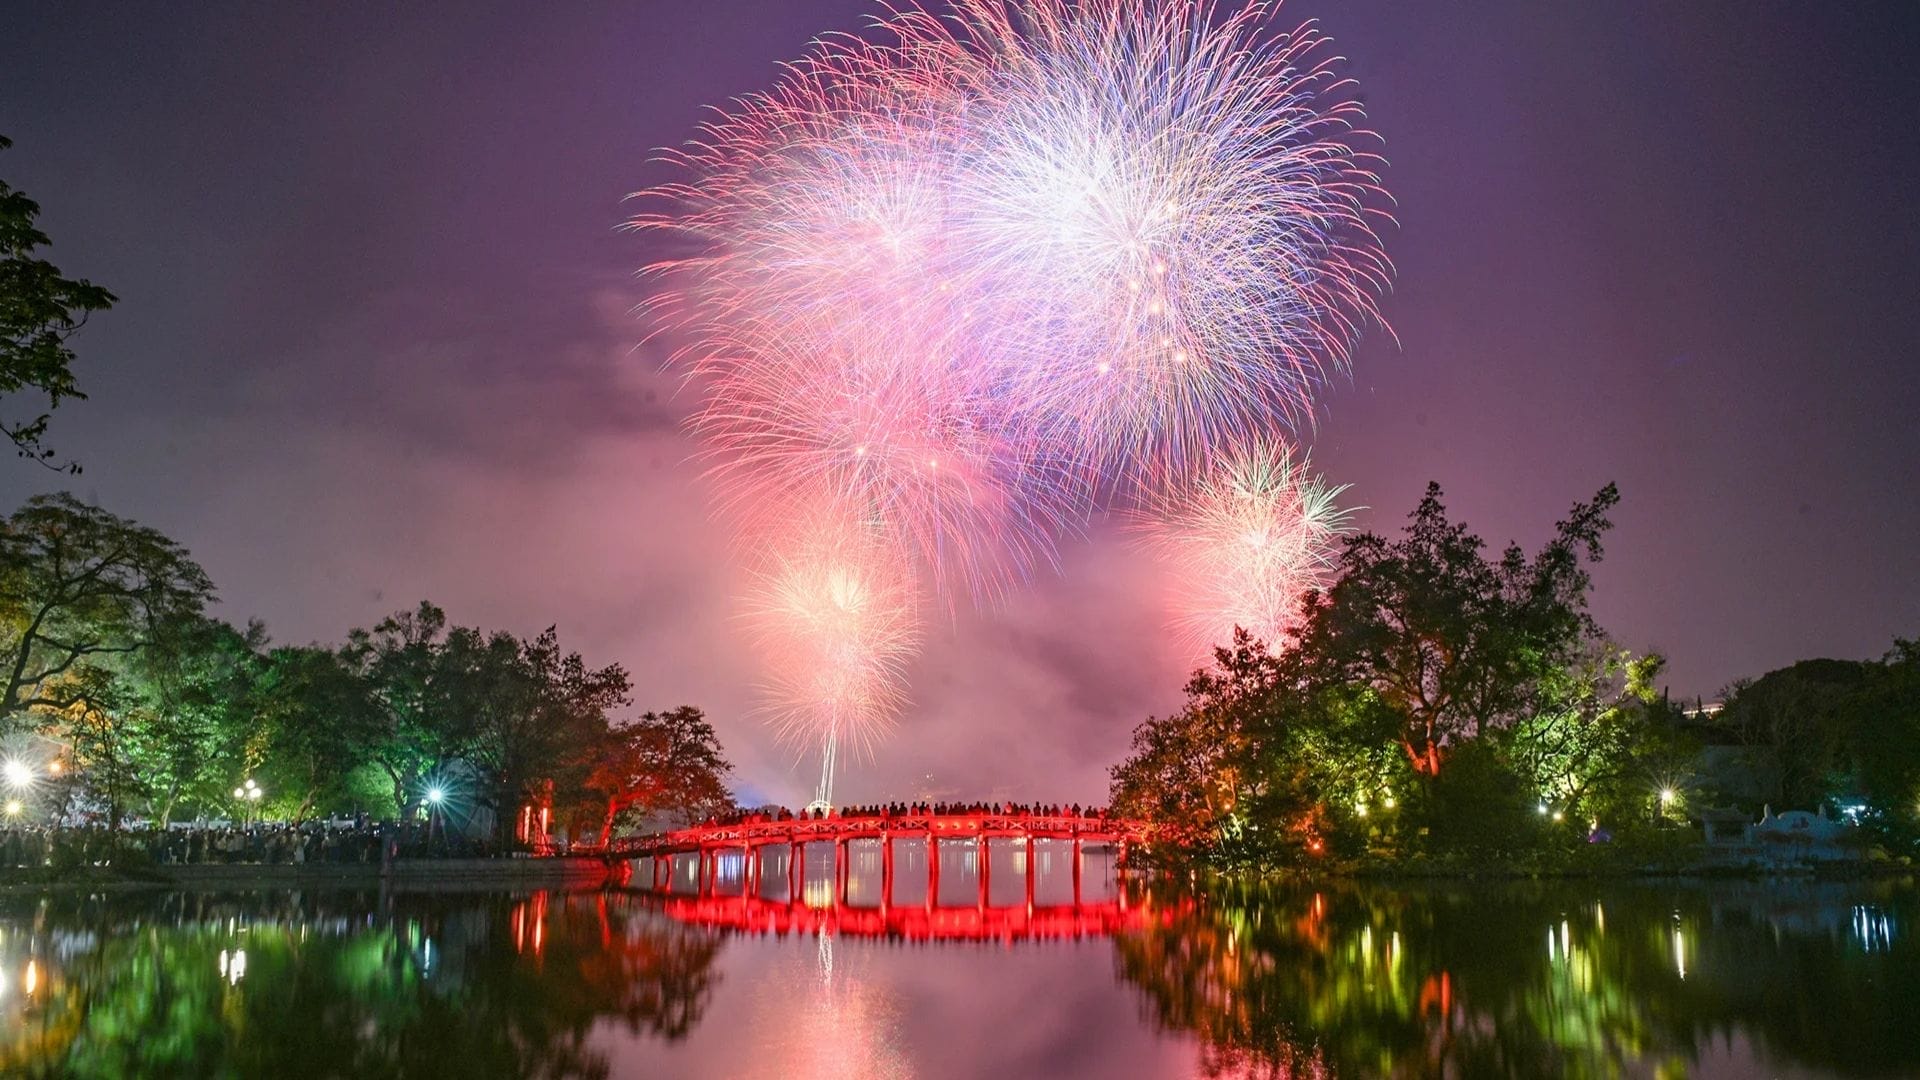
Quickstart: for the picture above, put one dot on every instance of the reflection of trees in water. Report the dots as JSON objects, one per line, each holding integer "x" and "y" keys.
{"x": 1560, "y": 980}
{"x": 427, "y": 985}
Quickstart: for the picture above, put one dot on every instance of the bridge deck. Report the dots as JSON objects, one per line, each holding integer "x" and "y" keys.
{"x": 950, "y": 826}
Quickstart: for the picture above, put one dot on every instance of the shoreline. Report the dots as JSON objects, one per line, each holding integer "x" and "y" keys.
{"x": 413, "y": 875}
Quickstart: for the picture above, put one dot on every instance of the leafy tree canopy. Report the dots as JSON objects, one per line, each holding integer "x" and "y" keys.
{"x": 40, "y": 311}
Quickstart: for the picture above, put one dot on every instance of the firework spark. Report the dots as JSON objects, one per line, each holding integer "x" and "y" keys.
{"x": 836, "y": 611}
{"x": 986, "y": 270}
{"x": 1247, "y": 542}
{"x": 1167, "y": 211}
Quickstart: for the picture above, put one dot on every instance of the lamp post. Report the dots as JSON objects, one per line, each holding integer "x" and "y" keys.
{"x": 435, "y": 796}
{"x": 248, "y": 795}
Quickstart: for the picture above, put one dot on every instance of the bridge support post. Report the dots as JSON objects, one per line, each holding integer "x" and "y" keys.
{"x": 1076, "y": 871}
{"x": 796, "y": 870}
{"x": 886, "y": 871}
{"x": 985, "y": 860}
{"x": 933, "y": 870}
{"x": 1032, "y": 868}
{"x": 841, "y": 855}
{"x": 749, "y": 870}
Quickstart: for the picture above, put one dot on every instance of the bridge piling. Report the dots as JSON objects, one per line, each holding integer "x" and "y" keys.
{"x": 1032, "y": 868}
{"x": 985, "y": 859}
{"x": 933, "y": 871}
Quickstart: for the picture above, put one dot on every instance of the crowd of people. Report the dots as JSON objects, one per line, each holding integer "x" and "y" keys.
{"x": 265, "y": 843}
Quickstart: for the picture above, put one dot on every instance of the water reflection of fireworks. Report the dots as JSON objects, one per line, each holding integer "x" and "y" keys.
{"x": 820, "y": 1021}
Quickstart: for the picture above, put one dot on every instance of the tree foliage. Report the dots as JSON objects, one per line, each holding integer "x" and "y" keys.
{"x": 1434, "y": 701}
{"x": 1448, "y": 642}
{"x": 661, "y": 764}
{"x": 40, "y": 311}
{"x": 80, "y": 586}
{"x": 163, "y": 710}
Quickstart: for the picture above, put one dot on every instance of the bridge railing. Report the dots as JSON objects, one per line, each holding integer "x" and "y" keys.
{"x": 956, "y": 825}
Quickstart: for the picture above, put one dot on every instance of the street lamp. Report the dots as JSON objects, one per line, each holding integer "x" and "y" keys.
{"x": 18, "y": 773}
{"x": 13, "y": 807}
{"x": 435, "y": 796}
{"x": 249, "y": 792}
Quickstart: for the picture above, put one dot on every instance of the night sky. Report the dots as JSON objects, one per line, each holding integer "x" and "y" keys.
{"x": 375, "y": 343}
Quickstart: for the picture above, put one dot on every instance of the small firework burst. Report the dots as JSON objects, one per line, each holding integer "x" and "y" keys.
{"x": 1247, "y": 542}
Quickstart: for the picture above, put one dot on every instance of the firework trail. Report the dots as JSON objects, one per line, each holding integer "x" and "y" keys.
{"x": 950, "y": 287}
{"x": 1246, "y": 542}
{"x": 834, "y": 607}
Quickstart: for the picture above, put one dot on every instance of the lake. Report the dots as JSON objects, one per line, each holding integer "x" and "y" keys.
{"x": 1140, "y": 980}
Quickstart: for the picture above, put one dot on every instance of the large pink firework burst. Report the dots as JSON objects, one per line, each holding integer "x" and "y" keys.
{"x": 970, "y": 277}
{"x": 1169, "y": 211}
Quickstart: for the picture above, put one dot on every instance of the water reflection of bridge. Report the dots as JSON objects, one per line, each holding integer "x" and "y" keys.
{"x": 913, "y": 874}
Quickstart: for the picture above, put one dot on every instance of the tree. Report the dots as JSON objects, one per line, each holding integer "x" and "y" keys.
{"x": 1884, "y": 735}
{"x": 1598, "y": 742}
{"x": 317, "y": 724}
{"x": 1189, "y": 772}
{"x": 662, "y": 763}
{"x": 419, "y": 693}
{"x": 1445, "y": 640}
{"x": 542, "y": 714}
{"x": 80, "y": 586}
{"x": 1795, "y": 720}
{"x": 93, "y": 718}
{"x": 40, "y": 310}
{"x": 191, "y": 709}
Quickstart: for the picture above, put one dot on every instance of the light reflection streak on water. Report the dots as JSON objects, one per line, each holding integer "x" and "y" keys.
{"x": 1872, "y": 928}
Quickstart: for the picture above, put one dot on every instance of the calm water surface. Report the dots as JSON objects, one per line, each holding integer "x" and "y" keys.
{"x": 1147, "y": 981}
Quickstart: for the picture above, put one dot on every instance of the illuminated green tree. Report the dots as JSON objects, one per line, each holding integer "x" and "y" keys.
{"x": 80, "y": 587}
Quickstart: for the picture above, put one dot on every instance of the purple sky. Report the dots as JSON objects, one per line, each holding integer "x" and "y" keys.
{"x": 374, "y": 344}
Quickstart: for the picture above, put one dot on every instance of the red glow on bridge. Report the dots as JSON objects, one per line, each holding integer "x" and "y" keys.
{"x": 649, "y": 864}
{"x": 914, "y": 922}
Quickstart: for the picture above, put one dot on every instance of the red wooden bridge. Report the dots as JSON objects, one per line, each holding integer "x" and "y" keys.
{"x": 649, "y": 861}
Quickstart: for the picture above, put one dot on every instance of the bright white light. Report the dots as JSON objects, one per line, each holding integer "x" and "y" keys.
{"x": 1667, "y": 795}
{"x": 13, "y": 807}
{"x": 18, "y": 773}
{"x": 434, "y": 795}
